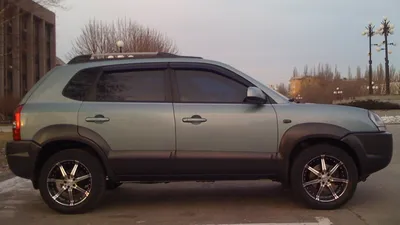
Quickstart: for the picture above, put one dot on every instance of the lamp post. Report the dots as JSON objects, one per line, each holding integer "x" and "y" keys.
{"x": 373, "y": 88}
{"x": 385, "y": 29}
{"x": 120, "y": 45}
{"x": 369, "y": 32}
{"x": 298, "y": 97}
{"x": 337, "y": 93}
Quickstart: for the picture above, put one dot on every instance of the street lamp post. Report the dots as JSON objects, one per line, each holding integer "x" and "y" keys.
{"x": 385, "y": 29}
{"x": 120, "y": 45}
{"x": 370, "y": 32}
{"x": 337, "y": 93}
{"x": 298, "y": 97}
{"x": 373, "y": 89}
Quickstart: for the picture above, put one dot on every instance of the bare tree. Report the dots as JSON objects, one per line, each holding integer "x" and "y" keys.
{"x": 51, "y": 3}
{"x": 282, "y": 89}
{"x": 337, "y": 74}
{"x": 349, "y": 74}
{"x": 305, "y": 73}
{"x": 295, "y": 73}
{"x": 101, "y": 37}
{"x": 358, "y": 73}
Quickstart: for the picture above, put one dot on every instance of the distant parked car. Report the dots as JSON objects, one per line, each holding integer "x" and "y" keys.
{"x": 97, "y": 122}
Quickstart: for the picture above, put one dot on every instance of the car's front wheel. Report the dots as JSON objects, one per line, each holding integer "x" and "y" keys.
{"x": 72, "y": 181}
{"x": 324, "y": 176}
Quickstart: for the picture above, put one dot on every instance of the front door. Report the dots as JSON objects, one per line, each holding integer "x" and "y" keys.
{"x": 131, "y": 109}
{"x": 217, "y": 131}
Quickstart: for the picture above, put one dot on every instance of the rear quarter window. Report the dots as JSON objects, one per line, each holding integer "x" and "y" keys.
{"x": 79, "y": 85}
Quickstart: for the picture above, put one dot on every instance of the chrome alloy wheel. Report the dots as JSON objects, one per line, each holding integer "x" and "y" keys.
{"x": 69, "y": 183}
{"x": 325, "y": 178}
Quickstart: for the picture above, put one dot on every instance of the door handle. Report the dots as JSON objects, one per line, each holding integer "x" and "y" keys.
{"x": 97, "y": 119}
{"x": 196, "y": 119}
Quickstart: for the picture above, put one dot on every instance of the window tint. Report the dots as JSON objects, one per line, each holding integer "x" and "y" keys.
{"x": 143, "y": 86}
{"x": 208, "y": 87}
{"x": 79, "y": 85}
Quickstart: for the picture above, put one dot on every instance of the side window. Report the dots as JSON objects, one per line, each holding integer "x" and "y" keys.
{"x": 79, "y": 85}
{"x": 132, "y": 86}
{"x": 200, "y": 86}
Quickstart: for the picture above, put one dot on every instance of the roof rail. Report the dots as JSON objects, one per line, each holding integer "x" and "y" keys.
{"x": 125, "y": 55}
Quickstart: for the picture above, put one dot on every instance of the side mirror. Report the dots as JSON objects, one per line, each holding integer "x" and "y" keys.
{"x": 255, "y": 95}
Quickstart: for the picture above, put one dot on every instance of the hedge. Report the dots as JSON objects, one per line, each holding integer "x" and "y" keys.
{"x": 372, "y": 105}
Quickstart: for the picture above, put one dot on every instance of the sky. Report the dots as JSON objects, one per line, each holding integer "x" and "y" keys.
{"x": 265, "y": 39}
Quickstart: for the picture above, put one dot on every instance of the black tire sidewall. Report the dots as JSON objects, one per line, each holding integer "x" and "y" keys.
{"x": 311, "y": 152}
{"x": 97, "y": 174}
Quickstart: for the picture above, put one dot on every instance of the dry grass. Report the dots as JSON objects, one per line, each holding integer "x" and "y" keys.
{"x": 4, "y": 137}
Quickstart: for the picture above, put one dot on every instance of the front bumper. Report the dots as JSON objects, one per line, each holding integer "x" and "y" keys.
{"x": 21, "y": 157}
{"x": 373, "y": 150}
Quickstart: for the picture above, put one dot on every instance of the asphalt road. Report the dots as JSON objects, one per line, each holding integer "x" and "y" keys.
{"x": 376, "y": 201}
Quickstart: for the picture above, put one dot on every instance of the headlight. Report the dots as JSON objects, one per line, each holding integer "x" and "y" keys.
{"x": 377, "y": 120}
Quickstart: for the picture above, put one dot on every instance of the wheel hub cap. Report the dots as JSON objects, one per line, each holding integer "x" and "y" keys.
{"x": 325, "y": 178}
{"x": 69, "y": 183}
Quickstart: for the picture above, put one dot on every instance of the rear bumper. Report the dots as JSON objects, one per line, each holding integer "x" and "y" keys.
{"x": 21, "y": 157}
{"x": 374, "y": 151}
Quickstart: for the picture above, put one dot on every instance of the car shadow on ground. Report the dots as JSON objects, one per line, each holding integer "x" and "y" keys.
{"x": 191, "y": 193}
{"x": 190, "y": 197}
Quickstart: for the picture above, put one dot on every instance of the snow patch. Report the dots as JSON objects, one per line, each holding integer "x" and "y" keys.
{"x": 15, "y": 184}
{"x": 391, "y": 119}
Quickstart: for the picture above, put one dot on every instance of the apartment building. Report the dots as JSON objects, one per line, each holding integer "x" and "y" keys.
{"x": 27, "y": 45}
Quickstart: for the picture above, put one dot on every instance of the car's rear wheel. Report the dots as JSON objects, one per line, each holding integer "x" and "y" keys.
{"x": 324, "y": 176}
{"x": 72, "y": 181}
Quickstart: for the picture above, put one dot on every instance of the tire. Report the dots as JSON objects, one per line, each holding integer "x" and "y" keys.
{"x": 332, "y": 156}
{"x": 112, "y": 185}
{"x": 88, "y": 191}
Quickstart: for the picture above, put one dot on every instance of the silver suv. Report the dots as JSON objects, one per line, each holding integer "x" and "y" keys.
{"x": 102, "y": 120}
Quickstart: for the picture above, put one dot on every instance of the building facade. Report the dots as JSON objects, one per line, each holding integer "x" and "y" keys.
{"x": 27, "y": 45}
{"x": 297, "y": 83}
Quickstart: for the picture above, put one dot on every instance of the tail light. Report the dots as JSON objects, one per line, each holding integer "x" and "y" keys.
{"x": 17, "y": 123}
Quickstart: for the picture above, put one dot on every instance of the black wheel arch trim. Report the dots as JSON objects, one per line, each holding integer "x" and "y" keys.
{"x": 69, "y": 132}
{"x": 303, "y": 132}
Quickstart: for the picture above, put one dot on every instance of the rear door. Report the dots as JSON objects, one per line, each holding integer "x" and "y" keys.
{"x": 130, "y": 108}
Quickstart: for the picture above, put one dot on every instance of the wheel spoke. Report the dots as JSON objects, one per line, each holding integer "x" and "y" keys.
{"x": 73, "y": 171}
{"x": 314, "y": 171}
{"x": 338, "y": 180}
{"x": 84, "y": 177}
{"x": 321, "y": 188}
{"x": 323, "y": 164}
{"x": 332, "y": 191}
{"x": 316, "y": 181}
{"x": 76, "y": 187}
{"x": 59, "y": 193}
{"x": 333, "y": 170}
{"x": 71, "y": 197}
{"x": 64, "y": 174}
{"x": 53, "y": 180}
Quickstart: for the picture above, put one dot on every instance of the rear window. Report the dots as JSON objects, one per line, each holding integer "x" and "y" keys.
{"x": 79, "y": 85}
{"x": 132, "y": 86}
